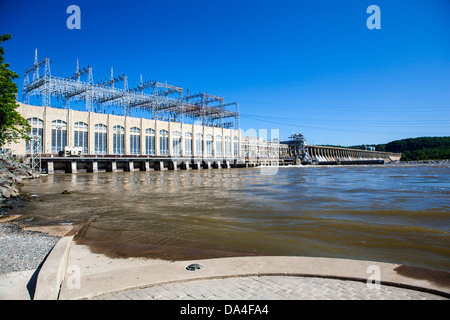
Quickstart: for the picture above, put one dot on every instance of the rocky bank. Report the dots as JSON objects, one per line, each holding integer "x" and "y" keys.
{"x": 12, "y": 174}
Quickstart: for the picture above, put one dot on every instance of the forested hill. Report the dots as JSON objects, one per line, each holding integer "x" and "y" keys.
{"x": 423, "y": 148}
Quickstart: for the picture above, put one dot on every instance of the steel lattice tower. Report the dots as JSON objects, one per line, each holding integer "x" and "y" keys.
{"x": 162, "y": 101}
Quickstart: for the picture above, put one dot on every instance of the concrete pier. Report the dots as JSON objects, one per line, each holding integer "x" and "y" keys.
{"x": 94, "y": 167}
{"x": 95, "y": 164}
{"x": 160, "y": 166}
{"x": 113, "y": 166}
{"x": 197, "y": 165}
{"x": 50, "y": 167}
{"x": 73, "y": 167}
{"x": 185, "y": 165}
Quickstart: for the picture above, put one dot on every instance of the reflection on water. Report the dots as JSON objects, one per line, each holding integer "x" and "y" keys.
{"x": 392, "y": 213}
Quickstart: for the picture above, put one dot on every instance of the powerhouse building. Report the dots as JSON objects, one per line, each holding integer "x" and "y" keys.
{"x": 107, "y": 134}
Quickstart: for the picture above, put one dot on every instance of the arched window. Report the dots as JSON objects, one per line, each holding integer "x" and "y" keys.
{"x": 59, "y": 135}
{"x": 135, "y": 140}
{"x": 100, "y": 135}
{"x": 176, "y": 143}
{"x": 209, "y": 145}
{"x": 163, "y": 142}
{"x": 236, "y": 146}
{"x": 188, "y": 144}
{"x": 37, "y": 129}
{"x": 150, "y": 141}
{"x": 81, "y": 136}
{"x": 218, "y": 146}
{"x": 118, "y": 140}
{"x": 199, "y": 144}
{"x": 227, "y": 146}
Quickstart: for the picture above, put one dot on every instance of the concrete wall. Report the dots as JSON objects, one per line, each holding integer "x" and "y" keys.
{"x": 48, "y": 114}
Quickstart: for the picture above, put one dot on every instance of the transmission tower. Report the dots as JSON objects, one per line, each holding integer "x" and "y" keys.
{"x": 35, "y": 143}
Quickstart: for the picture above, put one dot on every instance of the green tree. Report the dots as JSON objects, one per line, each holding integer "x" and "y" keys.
{"x": 12, "y": 125}
{"x": 406, "y": 156}
{"x": 397, "y": 146}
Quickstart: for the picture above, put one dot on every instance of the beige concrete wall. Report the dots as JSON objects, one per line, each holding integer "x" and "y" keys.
{"x": 48, "y": 114}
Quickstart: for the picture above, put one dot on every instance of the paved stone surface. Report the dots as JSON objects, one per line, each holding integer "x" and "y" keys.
{"x": 270, "y": 288}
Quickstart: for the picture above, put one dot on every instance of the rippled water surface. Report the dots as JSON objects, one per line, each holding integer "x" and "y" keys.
{"x": 391, "y": 213}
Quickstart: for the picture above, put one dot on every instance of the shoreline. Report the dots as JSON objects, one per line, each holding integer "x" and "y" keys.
{"x": 22, "y": 248}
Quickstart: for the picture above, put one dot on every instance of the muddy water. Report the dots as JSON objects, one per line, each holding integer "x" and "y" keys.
{"x": 391, "y": 213}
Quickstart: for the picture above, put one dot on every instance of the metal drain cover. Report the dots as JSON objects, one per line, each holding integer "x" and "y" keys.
{"x": 194, "y": 267}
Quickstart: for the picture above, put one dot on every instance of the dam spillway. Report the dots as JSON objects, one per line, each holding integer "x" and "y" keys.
{"x": 337, "y": 155}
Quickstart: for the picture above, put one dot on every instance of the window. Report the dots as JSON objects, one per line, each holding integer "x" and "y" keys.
{"x": 118, "y": 140}
{"x": 188, "y": 144}
{"x": 227, "y": 146}
{"x": 218, "y": 146}
{"x": 150, "y": 141}
{"x": 209, "y": 145}
{"x": 100, "y": 134}
{"x": 59, "y": 135}
{"x": 81, "y": 136}
{"x": 199, "y": 144}
{"x": 176, "y": 144}
{"x": 37, "y": 129}
{"x": 163, "y": 142}
{"x": 135, "y": 140}
{"x": 236, "y": 146}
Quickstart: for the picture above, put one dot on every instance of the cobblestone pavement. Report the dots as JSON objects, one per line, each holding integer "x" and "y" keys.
{"x": 270, "y": 288}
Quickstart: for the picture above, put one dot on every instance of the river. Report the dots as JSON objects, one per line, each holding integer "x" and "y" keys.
{"x": 391, "y": 213}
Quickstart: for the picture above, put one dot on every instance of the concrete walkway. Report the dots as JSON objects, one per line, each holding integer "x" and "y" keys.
{"x": 269, "y": 288}
{"x": 72, "y": 271}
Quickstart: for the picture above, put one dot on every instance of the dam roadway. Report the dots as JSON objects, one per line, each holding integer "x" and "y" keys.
{"x": 318, "y": 155}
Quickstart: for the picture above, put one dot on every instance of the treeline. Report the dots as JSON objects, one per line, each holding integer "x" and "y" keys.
{"x": 423, "y": 148}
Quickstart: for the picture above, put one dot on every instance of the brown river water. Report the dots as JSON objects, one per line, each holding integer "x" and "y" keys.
{"x": 390, "y": 213}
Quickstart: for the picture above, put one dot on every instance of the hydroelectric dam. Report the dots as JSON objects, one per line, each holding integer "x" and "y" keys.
{"x": 150, "y": 126}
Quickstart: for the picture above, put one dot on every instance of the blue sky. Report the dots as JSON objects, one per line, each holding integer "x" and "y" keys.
{"x": 310, "y": 67}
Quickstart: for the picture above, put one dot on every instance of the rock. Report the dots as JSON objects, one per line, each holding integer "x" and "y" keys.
{"x": 4, "y": 192}
{"x": 14, "y": 192}
{"x": 5, "y": 184}
{"x": 12, "y": 174}
{"x": 66, "y": 192}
